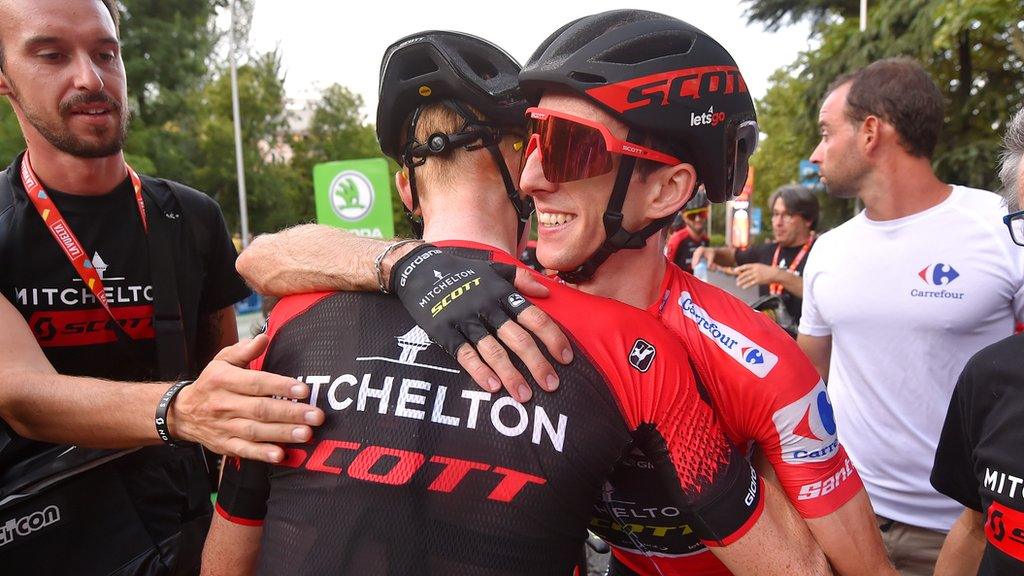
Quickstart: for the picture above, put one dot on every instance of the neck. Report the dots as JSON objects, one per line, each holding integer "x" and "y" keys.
{"x": 905, "y": 187}
{"x": 631, "y": 276}
{"x": 74, "y": 175}
{"x": 493, "y": 226}
{"x": 798, "y": 240}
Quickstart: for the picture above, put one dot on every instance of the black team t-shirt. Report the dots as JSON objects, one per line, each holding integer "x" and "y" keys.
{"x": 764, "y": 254}
{"x": 77, "y": 336}
{"x": 979, "y": 460}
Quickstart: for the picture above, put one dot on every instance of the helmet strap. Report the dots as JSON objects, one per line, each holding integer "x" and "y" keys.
{"x": 473, "y": 135}
{"x": 617, "y": 237}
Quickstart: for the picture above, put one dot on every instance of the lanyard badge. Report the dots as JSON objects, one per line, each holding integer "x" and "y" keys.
{"x": 65, "y": 238}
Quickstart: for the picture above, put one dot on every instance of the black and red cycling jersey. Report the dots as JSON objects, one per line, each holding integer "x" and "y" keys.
{"x": 681, "y": 245}
{"x": 766, "y": 393}
{"x": 418, "y": 471}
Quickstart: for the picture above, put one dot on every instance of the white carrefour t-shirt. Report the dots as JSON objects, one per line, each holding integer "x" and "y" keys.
{"x": 907, "y": 303}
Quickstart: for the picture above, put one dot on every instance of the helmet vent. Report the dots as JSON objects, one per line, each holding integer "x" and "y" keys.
{"x": 588, "y": 78}
{"x": 480, "y": 66}
{"x": 648, "y": 47}
{"x": 417, "y": 66}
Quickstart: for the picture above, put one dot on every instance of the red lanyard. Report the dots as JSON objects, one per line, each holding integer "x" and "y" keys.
{"x": 62, "y": 233}
{"x": 775, "y": 287}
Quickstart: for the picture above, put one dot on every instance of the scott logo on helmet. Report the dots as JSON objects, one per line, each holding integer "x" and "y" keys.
{"x": 671, "y": 87}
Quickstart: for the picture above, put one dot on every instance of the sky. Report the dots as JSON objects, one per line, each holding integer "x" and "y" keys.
{"x": 329, "y": 41}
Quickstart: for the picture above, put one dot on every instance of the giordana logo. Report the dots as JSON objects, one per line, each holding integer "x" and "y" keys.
{"x": 938, "y": 274}
{"x": 21, "y": 527}
{"x": 709, "y": 118}
{"x": 351, "y": 195}
{"x": 411, "y": 343}
{"x": 807, "y": 428}
{"x": 642, "y": 355}
{"x": 515, "y": 300}
{"x": 742, "y": 349}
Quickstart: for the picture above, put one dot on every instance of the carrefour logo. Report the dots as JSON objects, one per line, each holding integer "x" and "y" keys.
{"x": 941, "y": 275}
{"x": 807, "y": 428}
{"x": 351, "y": 195}
{"x": 938, "y": 274}
{"x": 742, "y": 349}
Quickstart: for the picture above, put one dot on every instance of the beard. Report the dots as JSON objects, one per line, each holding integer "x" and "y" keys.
{"x": 105, "y": 142}
{"x": 846, "y": 181}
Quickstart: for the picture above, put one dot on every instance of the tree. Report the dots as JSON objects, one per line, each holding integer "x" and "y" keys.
{"x": 339, "y": 131}
{"x": 974, "y": 49}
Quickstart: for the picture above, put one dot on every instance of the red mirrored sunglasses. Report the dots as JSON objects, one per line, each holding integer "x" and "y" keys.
{"x": 573, "y": 148}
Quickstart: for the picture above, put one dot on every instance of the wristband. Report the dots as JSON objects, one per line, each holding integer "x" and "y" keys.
{"x": 161, "y": 413}
{"x": 379, "y": 260}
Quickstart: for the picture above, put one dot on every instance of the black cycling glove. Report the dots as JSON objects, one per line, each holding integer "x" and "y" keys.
{"x": 456, "y": 299}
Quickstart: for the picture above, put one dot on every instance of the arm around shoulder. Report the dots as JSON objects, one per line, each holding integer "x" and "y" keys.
{"x": 313, "y": 258}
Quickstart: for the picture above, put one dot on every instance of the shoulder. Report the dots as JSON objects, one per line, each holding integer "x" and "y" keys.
{"x": 735, "y": 341}
{"x": 996, "y": 368}
{"x": 190, "y": 200}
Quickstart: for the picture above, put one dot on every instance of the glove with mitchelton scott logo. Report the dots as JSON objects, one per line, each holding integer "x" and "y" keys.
{"x": 456, "y": 298}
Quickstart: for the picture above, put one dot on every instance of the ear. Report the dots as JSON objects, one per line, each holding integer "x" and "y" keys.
{"x": 672, "y": 187}
{"x": 5, "y": 86}
{"x": 870, "y": 133}
{"x": 404, "y": 190}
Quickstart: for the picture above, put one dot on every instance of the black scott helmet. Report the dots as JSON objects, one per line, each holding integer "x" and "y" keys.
{"x": 659, "y": 75}
{"x": 436, "y": 66}
{"x": 453, "y": 69}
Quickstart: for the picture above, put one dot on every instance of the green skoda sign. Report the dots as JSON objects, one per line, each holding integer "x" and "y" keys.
{"x": 355, "y": 195}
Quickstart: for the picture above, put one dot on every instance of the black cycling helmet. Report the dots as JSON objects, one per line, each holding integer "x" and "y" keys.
{"x": 661, "y": 77}
{"x": 454, "y": 69}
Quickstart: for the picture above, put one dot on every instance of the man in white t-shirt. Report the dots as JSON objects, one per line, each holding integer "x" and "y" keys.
{"x": 898, "y": 298}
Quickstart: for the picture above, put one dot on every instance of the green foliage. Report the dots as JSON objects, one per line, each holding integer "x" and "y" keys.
{"x": 180, "y": 95}
{"x": 974, "y": 49}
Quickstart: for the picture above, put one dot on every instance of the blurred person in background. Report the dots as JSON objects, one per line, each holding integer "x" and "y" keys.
{"x": 775, "y": 267}
{"x": 693, "y": 233}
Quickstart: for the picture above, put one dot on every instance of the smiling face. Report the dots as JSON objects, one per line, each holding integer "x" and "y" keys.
{"x": 570, "y": 224}
{"x": 842, "y": 164}
{"x": 63, "y": 74}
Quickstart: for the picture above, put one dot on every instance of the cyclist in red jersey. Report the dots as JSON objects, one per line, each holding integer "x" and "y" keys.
{"x": 318, "y": 523}
{"x": 767, "y": 392}
{"x": 683, "y": 243}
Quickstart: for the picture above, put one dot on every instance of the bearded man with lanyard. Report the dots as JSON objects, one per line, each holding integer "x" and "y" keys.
{"x": 774, "y": 267}
{"x": 118, "y": 277}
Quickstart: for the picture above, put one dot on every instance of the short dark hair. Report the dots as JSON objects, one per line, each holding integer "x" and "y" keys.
{"x": 900, "y": 92}
{"x": 797, "y": 200}
{"x": 115, "y": 15}
{"x": 1010, "y": 158}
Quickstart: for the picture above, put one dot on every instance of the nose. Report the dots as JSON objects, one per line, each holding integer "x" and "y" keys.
{"x": 817, "y": 155}
{"x": 532, "y": 181}
{"x": 88, "y": 76}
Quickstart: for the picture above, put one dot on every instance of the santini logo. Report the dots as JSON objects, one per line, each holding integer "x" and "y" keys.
{"x": 742, "y": 349}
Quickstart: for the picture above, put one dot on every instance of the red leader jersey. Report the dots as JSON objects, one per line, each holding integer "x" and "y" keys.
{"x": 767, "y": 394}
